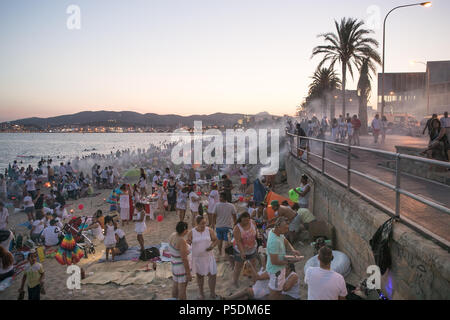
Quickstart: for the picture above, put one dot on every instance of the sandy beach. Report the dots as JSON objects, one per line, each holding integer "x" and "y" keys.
{"x": 138, "y": 280}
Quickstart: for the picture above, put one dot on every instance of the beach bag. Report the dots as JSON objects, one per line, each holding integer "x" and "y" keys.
{"x": 149, "y": 254}
{"x": 200, "y": 209}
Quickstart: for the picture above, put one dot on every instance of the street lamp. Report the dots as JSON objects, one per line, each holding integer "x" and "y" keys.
{"x": 428, "y": 83}
{"x": 427, "y": 4}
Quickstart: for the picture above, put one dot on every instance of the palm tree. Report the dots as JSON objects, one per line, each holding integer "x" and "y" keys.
{"x": 324, "y": 82}
{"x": 349, "y": 46}
{"x": 364, "y": 90}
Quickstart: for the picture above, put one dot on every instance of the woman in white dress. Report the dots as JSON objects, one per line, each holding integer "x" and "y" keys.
{"x": 182, "y": 202}
{"x": 140, "y": 226}
{"x": 203, "y": 241}
{"x": 110, "y": 237}
{"x": 124, "y": 203}
{"x": 194, "y": 201}
{"x": 213, "y": 198}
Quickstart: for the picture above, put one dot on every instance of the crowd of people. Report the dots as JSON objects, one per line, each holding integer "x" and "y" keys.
{"x": 210, "y": 227}
{"x": 341, "y": 129}
{"x": 439, "y": 135}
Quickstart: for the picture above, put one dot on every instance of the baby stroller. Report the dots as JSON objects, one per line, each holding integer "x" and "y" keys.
{"x": 75, "y": 227}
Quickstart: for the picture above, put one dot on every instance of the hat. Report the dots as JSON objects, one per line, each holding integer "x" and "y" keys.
{"x": 274, "y": 203}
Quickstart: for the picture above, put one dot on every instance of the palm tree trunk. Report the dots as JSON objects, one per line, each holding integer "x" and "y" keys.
{"x": 344, "y": 80}
{"x": 363, "y": 114}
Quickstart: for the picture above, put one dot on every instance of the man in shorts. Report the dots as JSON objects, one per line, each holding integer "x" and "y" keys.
{"x": 276, "y": 262}
{"x": 225, "y": 219}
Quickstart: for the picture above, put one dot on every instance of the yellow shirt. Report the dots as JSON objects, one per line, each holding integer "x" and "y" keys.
{"x": 33, "y": 273}
{"x": 306, "y": 215}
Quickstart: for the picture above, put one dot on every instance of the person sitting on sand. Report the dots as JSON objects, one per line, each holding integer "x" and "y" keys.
{"x": 38, "y": 226}
{"x": 179, "y": 250}
{"x": 140, "y": 226}
{"x": 121, "y": 242}
{"x": 51, "y": 234}
{"x": 203, "y": 241}
{"x": 260, "y": 288}
{"x": 291, "y": 287}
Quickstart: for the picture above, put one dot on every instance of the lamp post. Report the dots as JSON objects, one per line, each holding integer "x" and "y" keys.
{"x": 423, "y": 4}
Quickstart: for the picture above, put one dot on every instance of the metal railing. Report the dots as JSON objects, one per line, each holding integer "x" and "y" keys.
{"x": 302, "y": 143}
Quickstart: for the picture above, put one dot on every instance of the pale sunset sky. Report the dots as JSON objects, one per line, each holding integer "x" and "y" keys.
{"x": 190, "y": 56}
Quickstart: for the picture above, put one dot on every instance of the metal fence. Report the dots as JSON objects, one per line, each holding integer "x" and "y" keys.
{"x": 301, "y": 143}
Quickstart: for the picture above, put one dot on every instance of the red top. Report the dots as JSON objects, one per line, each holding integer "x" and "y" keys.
{"x": 356, "y": 123}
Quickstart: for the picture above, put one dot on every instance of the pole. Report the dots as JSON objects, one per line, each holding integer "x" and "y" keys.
{"x": 428, "y": 90}
{"x": 383, "y": 102}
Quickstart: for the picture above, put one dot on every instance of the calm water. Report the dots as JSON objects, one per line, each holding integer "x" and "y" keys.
{"x": 70, "y": 145}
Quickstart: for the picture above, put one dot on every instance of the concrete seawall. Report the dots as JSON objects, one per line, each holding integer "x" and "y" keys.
{"x": 420, "y": 268}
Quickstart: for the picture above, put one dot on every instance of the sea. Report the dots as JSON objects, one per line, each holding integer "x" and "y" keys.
{"x": 29, "y": 148}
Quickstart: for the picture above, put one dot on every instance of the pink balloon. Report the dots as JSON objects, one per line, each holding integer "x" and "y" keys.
{"x": 81, "y": 206}
{"x": 159, "y": 218}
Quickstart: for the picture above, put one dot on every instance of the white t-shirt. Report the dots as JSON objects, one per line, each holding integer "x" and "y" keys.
{"x": 194, "y": 201}
{"x": 324, "y": 284}
{"x": 28, "y": 202}
{"x": 39, "y": 226}
{"x": 50, "y": 235}
{"x": 212, "y": 200}
{"x": 376, "y": 124}
{"x": 156, "y": 179}
{"x": 31, "y": 185}
{"x": 120, "y": 233}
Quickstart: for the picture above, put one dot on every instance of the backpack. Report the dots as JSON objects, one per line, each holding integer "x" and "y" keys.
{"x": 149, "y": 254}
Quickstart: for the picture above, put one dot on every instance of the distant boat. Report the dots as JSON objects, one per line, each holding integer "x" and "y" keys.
{"x": 21, "y": 156}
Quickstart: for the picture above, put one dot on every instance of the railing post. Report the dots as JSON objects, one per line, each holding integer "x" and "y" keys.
{"x": 307, "y": 151}
{"x": 397, "y": 185}
{"x": 349, "y": 156}
{"x": 323, "y": 157}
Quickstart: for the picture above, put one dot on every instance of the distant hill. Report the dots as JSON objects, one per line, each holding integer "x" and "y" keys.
{"x": 129, "y": 118}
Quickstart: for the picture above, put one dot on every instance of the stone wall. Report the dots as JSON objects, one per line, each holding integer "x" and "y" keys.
{"x": 420, "y": 269}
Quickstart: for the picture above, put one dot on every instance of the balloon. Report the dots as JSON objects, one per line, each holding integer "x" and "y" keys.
{"x": 81, "y": 206}
{"x": 159, "y": 218}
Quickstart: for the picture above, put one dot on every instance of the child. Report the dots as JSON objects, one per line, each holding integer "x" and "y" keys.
{"x": 124, "y": 202}
{"x": 140, "y": 225}
{"x": 110, "y": 237}
{"x": 251, "y": 207}
{"x": 33, "y": 277}
{"x": 121, "y": 241}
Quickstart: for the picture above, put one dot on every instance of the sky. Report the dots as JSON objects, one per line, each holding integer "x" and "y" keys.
{"x": 190, "y": 56}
